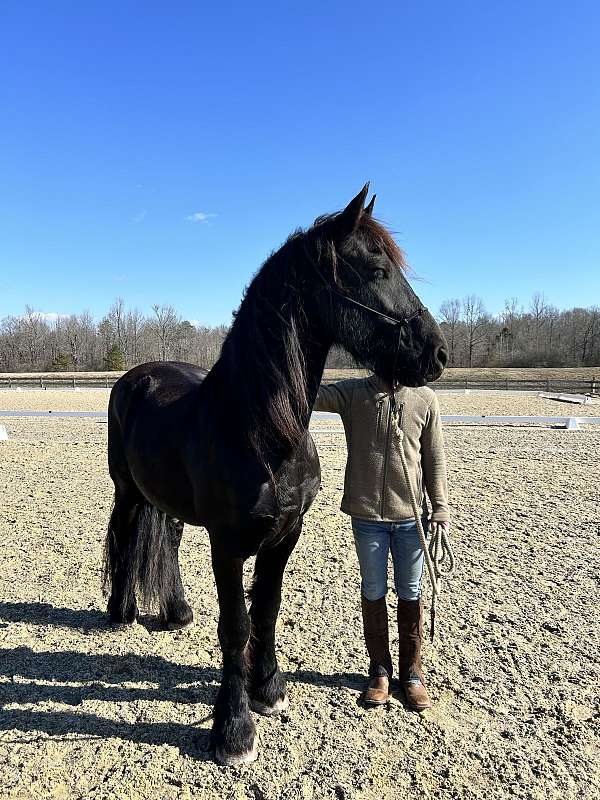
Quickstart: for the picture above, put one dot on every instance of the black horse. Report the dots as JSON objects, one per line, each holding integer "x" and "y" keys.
{"x": 230, "y": 449}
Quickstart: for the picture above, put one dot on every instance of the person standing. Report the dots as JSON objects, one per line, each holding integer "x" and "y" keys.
{"x": 377, "y": 499}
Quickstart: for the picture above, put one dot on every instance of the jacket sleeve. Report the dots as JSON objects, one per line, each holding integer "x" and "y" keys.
{"x": 334, "y": 397}
{"x": 433, "y": 461}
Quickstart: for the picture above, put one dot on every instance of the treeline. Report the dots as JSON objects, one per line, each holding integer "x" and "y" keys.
{"x": 122, "y": 338}
{"x": 538, "y": 335}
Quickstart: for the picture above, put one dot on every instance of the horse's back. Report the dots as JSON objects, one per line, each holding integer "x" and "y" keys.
{"x": 156, "y": 384}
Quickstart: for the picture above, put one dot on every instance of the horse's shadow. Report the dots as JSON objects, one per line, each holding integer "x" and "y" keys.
{"x": 47, "y": 614}
{"x": 113, "y": 679}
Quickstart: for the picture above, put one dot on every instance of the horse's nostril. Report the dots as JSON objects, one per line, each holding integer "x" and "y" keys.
{"x": 441, "y": 355}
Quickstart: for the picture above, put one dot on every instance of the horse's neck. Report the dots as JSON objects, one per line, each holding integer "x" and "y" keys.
{"x": 241, "y": 366}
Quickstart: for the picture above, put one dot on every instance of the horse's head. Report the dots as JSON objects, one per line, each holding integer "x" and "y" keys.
{"x": 365, "y": 301}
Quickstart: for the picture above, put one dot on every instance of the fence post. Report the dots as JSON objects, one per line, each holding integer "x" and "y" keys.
{"x": 506, "y": 384}
{"x": 41, "y": 384}
{"x": 466, "y": 383}
{"x": 10, "y": 383}
{"x": 106, "y": 382}
{"x": 547, "y": 384}
{"x": 593, "y": 384}
{"x": 73, "y": 382}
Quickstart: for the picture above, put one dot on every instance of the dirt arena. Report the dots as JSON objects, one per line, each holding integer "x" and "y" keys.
{"x": 514, "y": 672}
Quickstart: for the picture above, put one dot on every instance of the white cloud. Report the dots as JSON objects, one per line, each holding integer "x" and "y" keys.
{"x": 46, "y": 316}
{"x": 201, "y": 216}
{"x": 141, "y": 216}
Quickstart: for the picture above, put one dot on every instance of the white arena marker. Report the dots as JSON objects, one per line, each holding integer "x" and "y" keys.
{"x": 3, "y": 434}
{"x": 580, "y": 399}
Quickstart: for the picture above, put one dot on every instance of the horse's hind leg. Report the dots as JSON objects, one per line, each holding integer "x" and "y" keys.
{"x": 175, "y": 612}
{"x": 120, "y": 545}
{"x": 266, "y": 683}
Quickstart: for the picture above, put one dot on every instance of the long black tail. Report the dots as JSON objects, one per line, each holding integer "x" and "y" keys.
{"x": 140, "y": 560}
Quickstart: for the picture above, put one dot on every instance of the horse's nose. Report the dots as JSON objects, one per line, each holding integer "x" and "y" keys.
{"x": 440, "y": 355}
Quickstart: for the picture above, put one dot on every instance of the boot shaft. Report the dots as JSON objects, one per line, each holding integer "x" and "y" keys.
{"x": 410, "y": 638}
{"x": 377, "y": 638}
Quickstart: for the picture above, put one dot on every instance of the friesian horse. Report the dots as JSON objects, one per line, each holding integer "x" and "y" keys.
{"x": 229, "y": 449}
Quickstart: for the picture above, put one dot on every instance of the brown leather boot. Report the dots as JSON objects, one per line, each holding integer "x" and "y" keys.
{"x": 375, "y": 624}
{"x": 410, "y": 638}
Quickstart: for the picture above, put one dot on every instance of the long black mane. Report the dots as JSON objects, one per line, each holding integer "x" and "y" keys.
{"x": 264, "y": 355}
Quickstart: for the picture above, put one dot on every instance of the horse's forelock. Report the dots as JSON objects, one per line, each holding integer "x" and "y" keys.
{"x": 373, "y": 232}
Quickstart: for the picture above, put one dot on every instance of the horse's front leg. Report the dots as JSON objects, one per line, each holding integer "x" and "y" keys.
{"x": 266, "y": 683}
{"x": 233, "y": 732}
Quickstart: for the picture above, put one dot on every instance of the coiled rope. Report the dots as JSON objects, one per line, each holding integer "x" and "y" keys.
{"x": 439, "y": 556}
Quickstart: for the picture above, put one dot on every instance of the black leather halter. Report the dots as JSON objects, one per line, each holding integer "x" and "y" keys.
{"x": 394, "y": 320}
{"x": 399, "y": 323}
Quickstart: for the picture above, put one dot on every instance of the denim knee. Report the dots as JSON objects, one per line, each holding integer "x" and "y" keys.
{"x": 410, "y": 592}
{"x": 372, "y": 547}
{"x": 373, "y": 590}
{"x": 408, "y": 557}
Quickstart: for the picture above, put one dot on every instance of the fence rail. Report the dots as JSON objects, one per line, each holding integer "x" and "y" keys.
{"x": 16, "y": 382}
{"x": 566, "y": 385}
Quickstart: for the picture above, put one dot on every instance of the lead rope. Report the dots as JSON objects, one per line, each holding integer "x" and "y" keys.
{"x": 439, "y": 550}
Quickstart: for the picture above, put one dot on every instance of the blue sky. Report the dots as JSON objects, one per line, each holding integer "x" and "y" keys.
{"x": 478, "y": 125}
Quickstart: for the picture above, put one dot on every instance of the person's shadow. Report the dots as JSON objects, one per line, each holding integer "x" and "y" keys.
{"x": 109, "y": 678}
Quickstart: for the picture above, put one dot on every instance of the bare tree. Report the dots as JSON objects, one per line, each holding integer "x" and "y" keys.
{"x": 473, "y": 312}
{"x": 450, "y": 318}
{"x": 538, "y": 310}
{"x": 165, "y": 328}
{"x": 33, "y": 329}
{"x": 134, "y": 323}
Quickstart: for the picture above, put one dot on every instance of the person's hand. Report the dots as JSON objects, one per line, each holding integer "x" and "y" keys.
{"x": 433, "y": 526}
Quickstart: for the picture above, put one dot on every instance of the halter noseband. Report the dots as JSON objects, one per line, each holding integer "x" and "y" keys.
{"x": 394, "y": 320}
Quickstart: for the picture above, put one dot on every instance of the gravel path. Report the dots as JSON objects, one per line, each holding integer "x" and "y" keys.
{"x": 514, "y": 673}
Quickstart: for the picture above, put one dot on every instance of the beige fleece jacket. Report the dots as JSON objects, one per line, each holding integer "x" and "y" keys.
{"x": 374, "y": 486}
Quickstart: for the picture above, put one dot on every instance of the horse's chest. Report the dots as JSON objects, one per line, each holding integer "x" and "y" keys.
{"x": 294, "y": 487}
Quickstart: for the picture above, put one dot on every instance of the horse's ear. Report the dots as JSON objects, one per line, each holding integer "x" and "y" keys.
{"x": 349, "y": 218}
{"x": 369, "y": 208}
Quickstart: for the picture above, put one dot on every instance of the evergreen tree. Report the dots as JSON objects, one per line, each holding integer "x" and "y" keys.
{"x": 114, "y": 360}
{"x": 62, "y": 363}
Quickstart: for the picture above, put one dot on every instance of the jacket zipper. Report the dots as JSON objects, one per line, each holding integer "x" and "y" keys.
{"x": 385, "y": 459}
{"x": 379, "y": 415}
{"x": 386, "y": 452}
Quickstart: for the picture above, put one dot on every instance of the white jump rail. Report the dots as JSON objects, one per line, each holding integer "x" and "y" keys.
{"x": 48, "y": 414}
{"x": 569, "y": 423}
{"x": 579, "y": 399}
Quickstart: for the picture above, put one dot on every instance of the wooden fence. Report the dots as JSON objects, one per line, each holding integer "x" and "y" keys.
{"x": 566, "y": 385}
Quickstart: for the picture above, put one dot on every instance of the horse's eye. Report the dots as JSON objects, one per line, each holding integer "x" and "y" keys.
{"x": 378, "y": 274}
{"x": 374, "y": 249}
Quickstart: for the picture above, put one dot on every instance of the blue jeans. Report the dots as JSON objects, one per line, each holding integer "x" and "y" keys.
{"x": 373, "y": 542}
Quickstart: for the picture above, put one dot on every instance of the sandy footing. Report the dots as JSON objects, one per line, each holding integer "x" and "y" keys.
{"x": 501, "y": 403}
{"x": 514, "y": 672}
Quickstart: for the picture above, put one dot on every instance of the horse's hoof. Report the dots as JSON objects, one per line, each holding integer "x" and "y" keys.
{"x": 179, "y": 626}
{"x": 119, "y": 625}
{"x": 270, "y": 711}
{"x": 177, "y": 617}
{"x": 234, "y": 759}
